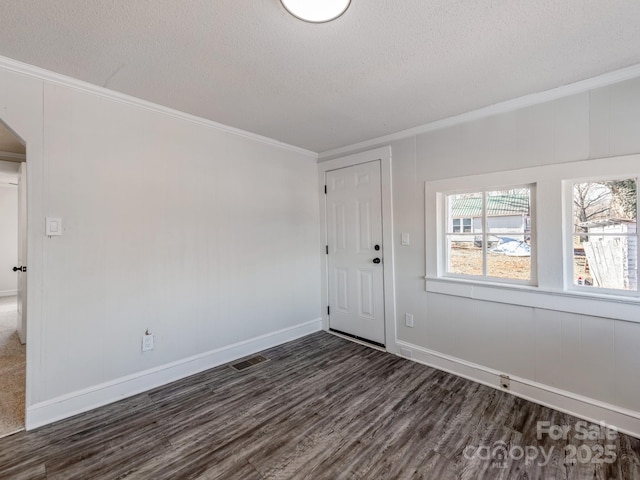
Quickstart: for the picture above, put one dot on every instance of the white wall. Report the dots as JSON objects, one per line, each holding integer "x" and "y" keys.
{"x": 8, "y": 239}
{"x": 576, "y": 362}
{"x": 207, "y": 237}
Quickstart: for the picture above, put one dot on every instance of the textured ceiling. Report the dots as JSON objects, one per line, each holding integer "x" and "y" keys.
{"x": 384, "y": 66}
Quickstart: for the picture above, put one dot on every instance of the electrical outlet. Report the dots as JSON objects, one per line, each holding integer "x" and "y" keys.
{"x": 147, "y": 341}
{"x": 505, "y": 382}
{"x": 408, "y": 319}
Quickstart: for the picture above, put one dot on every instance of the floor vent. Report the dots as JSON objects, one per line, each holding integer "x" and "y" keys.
{"x": 249, "y": 362}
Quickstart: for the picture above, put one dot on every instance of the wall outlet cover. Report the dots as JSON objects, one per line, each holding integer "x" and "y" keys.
{"x": 408, "y": 319}
{"x": 147, "y": 342}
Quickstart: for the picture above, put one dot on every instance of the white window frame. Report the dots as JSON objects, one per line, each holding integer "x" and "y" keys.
{"x": 445, "y": 233}
{"x": 554, "y": 249}
{"x": 569, "y": 233}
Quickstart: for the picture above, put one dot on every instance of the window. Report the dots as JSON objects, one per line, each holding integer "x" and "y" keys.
{"x": 584, "y": 244}
{"x": 489, "y": 234}
{"x": 462, "y": 225}
{"x": 605, "y": 235}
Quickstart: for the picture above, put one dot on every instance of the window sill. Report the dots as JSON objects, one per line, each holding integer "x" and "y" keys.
{"x": 583, "y": 303}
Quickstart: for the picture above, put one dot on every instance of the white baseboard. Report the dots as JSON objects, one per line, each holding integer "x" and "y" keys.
{"x": 8, "y": 293}
{"x": 80, "y": 401}
{"x": 624, "y": 420}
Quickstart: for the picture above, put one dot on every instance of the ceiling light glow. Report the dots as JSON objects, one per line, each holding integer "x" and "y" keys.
{"x": 316, "y": 11}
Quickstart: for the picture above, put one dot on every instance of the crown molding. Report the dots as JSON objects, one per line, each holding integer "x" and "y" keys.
{"x": 502, "y": 107}
{"x": 59, "y": 79}
{"x": 507, "y": 106}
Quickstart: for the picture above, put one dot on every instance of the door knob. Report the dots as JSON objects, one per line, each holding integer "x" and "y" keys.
{"x": 19, "y": 269}
{"x": 376, "y": 260}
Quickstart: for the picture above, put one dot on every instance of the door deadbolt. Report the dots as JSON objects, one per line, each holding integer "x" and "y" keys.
{"x": 376, "y": 260}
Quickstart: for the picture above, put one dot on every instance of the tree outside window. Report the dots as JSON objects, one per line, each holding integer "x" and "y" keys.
{"x": 605, "y": 235}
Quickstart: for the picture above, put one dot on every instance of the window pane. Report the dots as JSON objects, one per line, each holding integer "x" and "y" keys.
{"x": 509, "y": 212}
{"x": 509, "y": 257}
{"x": 465, "y": 257}
{"x": 465, "y": 212}
{"x": 509, "y": 239}
{"x": 507, "y": 246}
{"x": 602, "y": 261}
{"x": 603, "y": 206}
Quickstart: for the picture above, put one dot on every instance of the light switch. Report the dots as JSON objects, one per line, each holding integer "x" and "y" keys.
{"x": 53, "y": 226}
{"x": 404, "y": 239}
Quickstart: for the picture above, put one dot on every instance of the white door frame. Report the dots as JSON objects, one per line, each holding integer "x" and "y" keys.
{"x": 23, "y": 113}
{"x": 23, "y": 260}
{"x": 384, "y": 155}
{"x": 23, "y": 239}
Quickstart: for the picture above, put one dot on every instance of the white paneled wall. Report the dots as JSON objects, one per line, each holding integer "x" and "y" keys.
{"x": 577, "y": 353}
{"x": 627, "y": 364}
{"x": 206, "y": 237}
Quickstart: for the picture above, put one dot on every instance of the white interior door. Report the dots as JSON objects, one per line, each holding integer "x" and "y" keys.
{"x": 22, "y": 253}
{"x": 354, "y": 231}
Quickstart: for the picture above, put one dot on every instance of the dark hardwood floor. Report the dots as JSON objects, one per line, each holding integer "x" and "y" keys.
{"x": 320, "y": 408}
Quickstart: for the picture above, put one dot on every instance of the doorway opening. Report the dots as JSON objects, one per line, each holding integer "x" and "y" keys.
{"x": 12, "y": 282}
